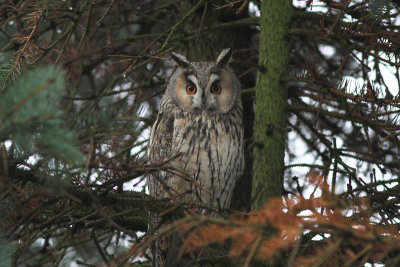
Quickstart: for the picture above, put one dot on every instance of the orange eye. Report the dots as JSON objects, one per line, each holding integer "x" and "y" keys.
{"x": 191, "y": 89}
{"x": 216, "y": 88}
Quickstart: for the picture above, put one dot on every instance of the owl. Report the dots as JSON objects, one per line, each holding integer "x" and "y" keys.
{"x": 198, "y": 133}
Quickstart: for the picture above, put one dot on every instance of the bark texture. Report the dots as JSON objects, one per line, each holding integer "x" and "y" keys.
{"x": 271, "y": 102}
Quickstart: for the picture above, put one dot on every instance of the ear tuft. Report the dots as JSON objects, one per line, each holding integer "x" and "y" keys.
{"x": 224, "y": 57}
{"x": 180, "y": 60}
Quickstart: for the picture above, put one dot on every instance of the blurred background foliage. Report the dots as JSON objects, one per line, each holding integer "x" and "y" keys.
{"x": 80, "y": 83}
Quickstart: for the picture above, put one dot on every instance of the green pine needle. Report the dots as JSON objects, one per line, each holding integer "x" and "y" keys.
{"x": 8, "y": 67}
{"x": 33, "y": 118}
{"x": 6, "y": 251}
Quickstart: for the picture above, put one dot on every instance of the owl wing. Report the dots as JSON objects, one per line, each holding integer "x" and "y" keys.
{"x": 159, "y": 150}
{"x": 163, "y": 249}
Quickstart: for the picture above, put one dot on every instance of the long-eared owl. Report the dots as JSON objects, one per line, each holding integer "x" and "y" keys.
{"x": 199, "y": 132}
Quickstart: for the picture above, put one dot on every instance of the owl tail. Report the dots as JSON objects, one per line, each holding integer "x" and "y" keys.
{"x": 166, "y": 252}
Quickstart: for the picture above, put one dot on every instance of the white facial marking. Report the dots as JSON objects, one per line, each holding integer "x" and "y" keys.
{"x": 196, "y": 98}
{"x": 194, "y": 80}
{"x": 213, "y": 77}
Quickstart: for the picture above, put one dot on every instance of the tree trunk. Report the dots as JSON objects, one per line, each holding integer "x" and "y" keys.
{"x": 271, "y": 102}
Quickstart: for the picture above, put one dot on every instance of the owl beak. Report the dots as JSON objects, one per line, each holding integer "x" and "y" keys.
{"x": 203, "y": 102}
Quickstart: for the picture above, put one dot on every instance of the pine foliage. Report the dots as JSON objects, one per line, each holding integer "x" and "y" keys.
{"x": 6, "y": 250}
{"x": 32, "y": 118}
{"x": 6, "y": 73}
{"x": 378, "y": 7}
{"x": 298, "y": 231}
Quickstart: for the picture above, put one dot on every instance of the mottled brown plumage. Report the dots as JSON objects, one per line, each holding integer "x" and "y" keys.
{"x": 200, "y": 126}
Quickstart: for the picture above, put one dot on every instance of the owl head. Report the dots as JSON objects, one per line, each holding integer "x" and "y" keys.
{"x": 209, "y": 87}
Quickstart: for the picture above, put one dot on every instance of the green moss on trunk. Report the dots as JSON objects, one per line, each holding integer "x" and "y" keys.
{"x": 271, "y": 101}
